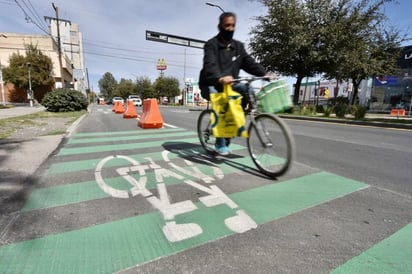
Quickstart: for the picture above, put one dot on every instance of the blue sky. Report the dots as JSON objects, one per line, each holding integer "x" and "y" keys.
{"x": 114, "y": 31}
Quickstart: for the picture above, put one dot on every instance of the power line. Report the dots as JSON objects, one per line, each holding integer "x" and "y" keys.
{"x": 139, "y": 50}
{"x": 137, "y": 59}
{"x": 35, "y": 13}
{"x": 7, "y": 2}
{"x": 34, "y": 16}
{"x": 29, "y": 19}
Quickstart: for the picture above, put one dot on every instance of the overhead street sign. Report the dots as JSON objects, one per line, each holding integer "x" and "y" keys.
{"x": 173, "y": 39}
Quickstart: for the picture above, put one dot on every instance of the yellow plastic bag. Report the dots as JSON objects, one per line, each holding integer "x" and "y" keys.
{"x": 228, "y": 119}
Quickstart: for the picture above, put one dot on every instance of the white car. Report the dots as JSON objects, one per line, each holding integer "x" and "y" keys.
{"x": 118, "y": 99}
{"x": 136, "y": 100}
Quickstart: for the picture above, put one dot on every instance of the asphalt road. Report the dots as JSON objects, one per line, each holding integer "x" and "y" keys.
{"x": 344, "y": 207}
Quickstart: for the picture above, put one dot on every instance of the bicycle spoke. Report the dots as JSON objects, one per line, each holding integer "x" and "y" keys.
{"x": 270, "y": 145}
{"x": 204, "y": 131}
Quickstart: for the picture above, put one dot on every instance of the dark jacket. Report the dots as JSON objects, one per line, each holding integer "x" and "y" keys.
{"x": 220, "y": 60}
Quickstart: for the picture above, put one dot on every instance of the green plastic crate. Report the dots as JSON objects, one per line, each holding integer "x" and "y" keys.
{"x": 274, "y": 97}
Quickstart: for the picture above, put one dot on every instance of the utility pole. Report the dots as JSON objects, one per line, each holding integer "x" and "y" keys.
{"x": 30, "y": 93}
{"x": 59, "y": 46}
{"x": 2, "y": 85}
{"x": 1, "y": 78}
{"x": 88, "y": 85}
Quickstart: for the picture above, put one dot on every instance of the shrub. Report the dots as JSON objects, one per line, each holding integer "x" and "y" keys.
{"x": 359, "y": 112}
{"x": 338, "y": 101}
{"x": 289, "y": 110}
{"x": 327, "y": 112}
{"x": 320, "y": 109}
{"x": 64, "y": 100}
{"x": 340, "y": 110}
{"x": 307, "y": 110}
{"x": 340, "y": 106}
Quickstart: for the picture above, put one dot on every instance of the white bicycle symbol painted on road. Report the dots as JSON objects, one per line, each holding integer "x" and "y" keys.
{"x": 174, "y": 232}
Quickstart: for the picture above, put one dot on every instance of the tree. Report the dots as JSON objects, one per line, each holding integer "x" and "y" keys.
{"x": 288, "y": 39}
{"x": 343, "y": 39}
{"x": 368, "y": 47}
{"x": 125, "y": 88}
{"x": 167, "y": 87}
{"x": 107, "y": 85}
{"x": 41, "y": 67}
{"x": 144, "y": 88}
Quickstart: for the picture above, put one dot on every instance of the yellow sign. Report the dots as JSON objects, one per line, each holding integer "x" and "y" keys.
{"x": 326, "y": 94}
{"x": 161, "y": 64}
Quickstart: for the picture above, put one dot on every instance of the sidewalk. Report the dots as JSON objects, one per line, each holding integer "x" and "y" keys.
{"x": 19, "y": 111}
{"x": 20, "y": 159}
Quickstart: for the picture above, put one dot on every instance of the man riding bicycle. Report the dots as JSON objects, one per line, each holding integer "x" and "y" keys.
{"x": 223, "y": 58}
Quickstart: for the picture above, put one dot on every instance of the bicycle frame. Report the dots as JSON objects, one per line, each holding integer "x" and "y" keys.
{"x": 269, "y": 142}
{"x": 252, "y": 95}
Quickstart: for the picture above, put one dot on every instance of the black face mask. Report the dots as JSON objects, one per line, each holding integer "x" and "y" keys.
{"x": 226, "y": 34}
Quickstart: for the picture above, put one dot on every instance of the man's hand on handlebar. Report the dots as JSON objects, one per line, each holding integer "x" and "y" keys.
{"x": 226, "y": 80}
{"x": 229, "y": 80}
{"x": 271, "y": 76}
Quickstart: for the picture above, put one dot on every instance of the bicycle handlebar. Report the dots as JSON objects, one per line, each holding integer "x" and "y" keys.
{"x": 253, "y": 78}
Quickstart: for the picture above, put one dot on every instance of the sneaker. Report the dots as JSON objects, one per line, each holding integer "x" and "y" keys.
{"x": 222, "y": 150}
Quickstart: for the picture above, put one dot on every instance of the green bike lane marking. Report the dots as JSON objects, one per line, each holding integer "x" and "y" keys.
{"x": 125, "y": 132}
{"x": 81, "y": 165}
{"x": 110, "y": 247}
{"x": 392, "y": 255}
{"x": 83, "y": 191}
{"x": 136, "y": 137}
{"x": 118, "y": 147}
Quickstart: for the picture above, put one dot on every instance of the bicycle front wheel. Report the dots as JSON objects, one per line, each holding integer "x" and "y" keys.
{"x": 271, "y": 145}
{"x": 204, "y": 131}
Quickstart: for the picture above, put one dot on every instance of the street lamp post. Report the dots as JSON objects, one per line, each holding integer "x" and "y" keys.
{"x": 216, "y": 6}
{"x": 189, "y": 84}
{"x": 2, "y": 85}
{"x": 317, "y": 92}
{"x": 1, "y": 78}
{"x": 30, "y": 95}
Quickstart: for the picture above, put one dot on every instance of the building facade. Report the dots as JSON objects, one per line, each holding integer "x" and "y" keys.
{"x": 68, "y": 70}
{"x": 319, "y": 92}
{"x": 394, "y": 91}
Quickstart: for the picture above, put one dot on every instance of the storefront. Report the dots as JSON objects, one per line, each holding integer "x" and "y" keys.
{"x": 395, "y": 91}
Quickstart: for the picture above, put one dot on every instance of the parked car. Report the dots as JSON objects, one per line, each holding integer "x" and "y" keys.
{"x": 109, "y": 101}
{"x": 117, "y": 99}
{"x": 137, "y": 101}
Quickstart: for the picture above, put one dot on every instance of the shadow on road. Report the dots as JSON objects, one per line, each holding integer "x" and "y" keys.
{"x": 195, "y": 153}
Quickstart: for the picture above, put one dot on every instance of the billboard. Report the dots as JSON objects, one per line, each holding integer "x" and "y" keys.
{"x": 173, "y": 39}
{"x": 405, "y": 59}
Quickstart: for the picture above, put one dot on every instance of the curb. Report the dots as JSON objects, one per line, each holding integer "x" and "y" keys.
{"x": 350, "y": 122}
{"x": 73, "y": 126}
{"x": 337, "y": 121}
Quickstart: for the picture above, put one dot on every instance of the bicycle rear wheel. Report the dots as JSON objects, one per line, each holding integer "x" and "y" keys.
{"x": 271, "y": 145}
{"x": 204, "y": 131}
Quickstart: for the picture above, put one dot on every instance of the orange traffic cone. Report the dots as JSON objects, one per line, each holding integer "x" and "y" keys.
{"x": 119, "y": 108}
{"x": 130, "y": 110}
{"x": 114, "y": 106}
{"x": 151, "y": 117}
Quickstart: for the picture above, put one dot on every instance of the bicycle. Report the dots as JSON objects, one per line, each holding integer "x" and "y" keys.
{"x": 270, "y": 142}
